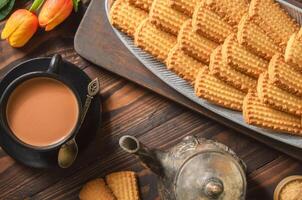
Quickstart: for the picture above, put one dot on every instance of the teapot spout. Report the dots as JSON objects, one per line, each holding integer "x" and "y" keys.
{"x": 150, "y": 158}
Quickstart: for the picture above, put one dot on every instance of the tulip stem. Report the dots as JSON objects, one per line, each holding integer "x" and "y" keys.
{"x": 36, "y": 5}
{"x": 75, "y": 5}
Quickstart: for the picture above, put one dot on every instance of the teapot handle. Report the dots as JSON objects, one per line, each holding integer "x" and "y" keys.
{"x": 55, "y": 63}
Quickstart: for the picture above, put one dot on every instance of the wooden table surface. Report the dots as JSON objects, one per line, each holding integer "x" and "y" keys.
{"x": 128, "y": 109}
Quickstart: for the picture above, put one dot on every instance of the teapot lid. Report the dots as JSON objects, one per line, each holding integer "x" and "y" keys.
{"x": 210, "y": 175}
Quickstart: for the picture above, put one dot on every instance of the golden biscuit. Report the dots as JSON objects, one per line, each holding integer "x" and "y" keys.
{"x": 165, "y": 17}
{"x": 124, "y": 185}
{"x": 299, "y": 34}
{"x": 195, "y": 44}
{"x": 254, "y": 38}
{"x": 126, "y": 17}
{"x": 183, "y": 65}
{"x": 185, "y": 6}
{"x": 241, "y": 59}
{"x": 258, "y": 114}
{"x": 230, "y": 75}
{"x": 142, "y": 4}
{"x": 293, "y": 52}
{"x": 210, "y": 88}
{"x": 96, "y": 190}
{"x": 153, "y": 40}
{"x": 278, "y": 98}
{"x": 284, "y": 76}
{"x": 274, "y": 20}
{"x": 230, "y": 11}
{"x": 208, "y": 23}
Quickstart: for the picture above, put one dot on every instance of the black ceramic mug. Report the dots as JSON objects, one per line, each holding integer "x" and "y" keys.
{"x": 51, "y": 73}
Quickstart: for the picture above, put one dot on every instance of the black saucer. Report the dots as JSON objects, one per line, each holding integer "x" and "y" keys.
{"x": 48, "y": 159}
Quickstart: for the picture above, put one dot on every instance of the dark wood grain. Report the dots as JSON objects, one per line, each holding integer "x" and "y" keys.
{"x": 103, "y": 47}
{"x": 129, "y": 109}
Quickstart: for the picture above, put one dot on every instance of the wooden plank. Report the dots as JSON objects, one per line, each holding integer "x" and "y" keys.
{"x": 102, "y": 47}
{"x": 163, "y": 136}
{"x": 129, "y": 109}
{"x": 155, "y": 120}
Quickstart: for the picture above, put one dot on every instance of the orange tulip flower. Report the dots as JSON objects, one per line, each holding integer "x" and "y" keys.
{"x": 54, "y": 12}
{"x": 20, "y": 27}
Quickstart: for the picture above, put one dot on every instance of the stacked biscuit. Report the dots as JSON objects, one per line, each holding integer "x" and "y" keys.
{"x": 239, "y": 54}
{"x": 118, "y": 186}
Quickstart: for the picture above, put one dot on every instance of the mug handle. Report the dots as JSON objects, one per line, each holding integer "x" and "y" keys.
{"x": 55, "y": 63}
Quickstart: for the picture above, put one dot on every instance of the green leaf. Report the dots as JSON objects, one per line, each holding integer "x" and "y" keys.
{"x": 6, "y": 9}
{"x": 76, "y": 5}
{"x": 36, "y": 5}
{"x": 3, "y": 3}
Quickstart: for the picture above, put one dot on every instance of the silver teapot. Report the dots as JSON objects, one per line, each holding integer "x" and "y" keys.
{"x": 194, "y": 169}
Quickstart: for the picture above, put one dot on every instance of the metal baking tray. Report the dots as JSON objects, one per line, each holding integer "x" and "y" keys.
{"x": 175, "y": 82}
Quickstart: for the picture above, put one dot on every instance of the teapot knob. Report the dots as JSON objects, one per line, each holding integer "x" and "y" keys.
{"x": 213, "y": 188}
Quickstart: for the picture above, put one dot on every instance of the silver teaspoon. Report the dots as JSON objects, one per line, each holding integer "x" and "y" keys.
{"x": 69, "y": 151}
